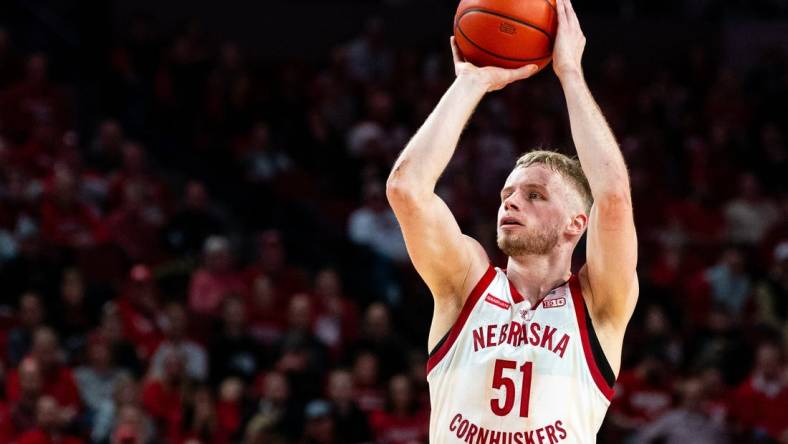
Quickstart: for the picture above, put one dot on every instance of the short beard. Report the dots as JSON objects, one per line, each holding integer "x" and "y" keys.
{"x": 528, "y": 242}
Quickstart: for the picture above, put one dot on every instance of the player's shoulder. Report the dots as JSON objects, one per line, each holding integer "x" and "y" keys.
{"x": 478, "y": 253}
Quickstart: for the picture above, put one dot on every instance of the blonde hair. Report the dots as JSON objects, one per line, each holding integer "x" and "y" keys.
{"x": 569, "y": 167}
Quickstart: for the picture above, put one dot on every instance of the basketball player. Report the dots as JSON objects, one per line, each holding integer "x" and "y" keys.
{"x": 529, "y": 353}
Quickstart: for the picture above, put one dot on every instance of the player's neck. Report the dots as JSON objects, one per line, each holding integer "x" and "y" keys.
{"x": 535, "y": 275}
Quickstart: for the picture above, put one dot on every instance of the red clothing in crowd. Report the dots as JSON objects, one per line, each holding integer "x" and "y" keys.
{"x": 59, "y": 384}
{"x": 229, "y": 415}
{"x": 208, "y": 290}
{"x": 390, "y": 428}
{"x": 638, "y": 399}
{"x": 135, "y": 233}
{"x": 140, "y": 328}
{"x": 72, "y": 226}
{"x": 337, "y": 326}
{"x": 28, "y": 104}
{"x": 7, "y": 430}
{"x": 165, "y": 406}
{"x": 762, "y": 408}
{"x": 286, "y": 281}
{"x": 267, "y": 326}
{"x": 38, "y": 436}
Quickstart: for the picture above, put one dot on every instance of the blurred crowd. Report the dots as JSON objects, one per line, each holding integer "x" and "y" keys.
{"x": 196, "y": 247}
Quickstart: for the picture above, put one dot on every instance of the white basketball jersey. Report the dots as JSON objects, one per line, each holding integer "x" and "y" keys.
{"x": 509, "y": 373}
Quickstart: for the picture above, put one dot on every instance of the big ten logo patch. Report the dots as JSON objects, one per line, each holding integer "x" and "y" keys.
{"x": 552, "y": 303}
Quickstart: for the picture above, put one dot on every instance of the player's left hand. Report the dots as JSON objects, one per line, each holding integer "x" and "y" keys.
{"x": 570, "y": 41}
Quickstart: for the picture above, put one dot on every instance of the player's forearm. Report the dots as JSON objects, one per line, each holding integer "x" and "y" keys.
{"x": 428, "y": 153}
{"x": 597, "y": 149}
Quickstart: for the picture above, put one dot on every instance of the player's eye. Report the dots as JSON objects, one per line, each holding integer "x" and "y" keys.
{"x": 534, "y": 195}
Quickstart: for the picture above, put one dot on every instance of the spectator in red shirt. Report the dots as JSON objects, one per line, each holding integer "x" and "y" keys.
{"x": 49, "y": 425}
{"x": 6, "y": 423}
{"x": 134, "y": 226}
{"x": 135, "y": 171}
{"x": 689, "y": 422}
{"x": 162, "y": 396}
{"x": 272, "y": 262}
{"x": 642, "y": 393}
{"x": 66, "y": 221}
{"x": 139, "y": 308}
{"x": 267, "y": 323}
{"x": 56, "y": 378}
{"x": 23, "y": 409}
{"x": 402, "y": 422}
{"x": 761, "y": 402}
{"x": 215, "y": 280}
{"x": 368, "y": 394}
{"x": 34, "y": 100}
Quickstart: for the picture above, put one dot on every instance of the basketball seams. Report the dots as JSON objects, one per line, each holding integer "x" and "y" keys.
{"x": 488, "y": 52}
{"x": 498, "y": 14}
{"x": 555, "y": 9}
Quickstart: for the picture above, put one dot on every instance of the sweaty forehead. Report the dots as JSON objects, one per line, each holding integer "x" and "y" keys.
{"x": 535, "y": 175}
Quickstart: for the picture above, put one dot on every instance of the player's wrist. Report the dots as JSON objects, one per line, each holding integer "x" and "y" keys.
{"x": 571, "y": 74}
{"x": 473, "y": 82}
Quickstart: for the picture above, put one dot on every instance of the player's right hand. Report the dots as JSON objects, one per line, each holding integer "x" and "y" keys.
{"x": 493, "y": 78}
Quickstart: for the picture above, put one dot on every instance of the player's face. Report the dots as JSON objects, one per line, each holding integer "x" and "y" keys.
{"x": 533, "y": 212}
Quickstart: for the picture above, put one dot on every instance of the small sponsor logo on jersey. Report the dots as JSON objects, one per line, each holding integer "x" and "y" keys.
{"x": 552, "y": 303}
{"x": 527, "y": 315}
{"x": 497, "y": 302}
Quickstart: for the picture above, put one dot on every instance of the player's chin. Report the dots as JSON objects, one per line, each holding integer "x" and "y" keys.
{"x": 506, "y": 236}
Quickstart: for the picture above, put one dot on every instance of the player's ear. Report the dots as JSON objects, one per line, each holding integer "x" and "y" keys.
{"x": 578, "y": 224}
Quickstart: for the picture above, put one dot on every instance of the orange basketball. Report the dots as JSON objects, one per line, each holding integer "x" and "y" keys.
{"x": 506, "y": 33}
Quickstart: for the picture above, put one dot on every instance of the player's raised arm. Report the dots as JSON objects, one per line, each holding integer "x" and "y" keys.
{"x": 611, "y": 253}
{"x": 447, "y": 260}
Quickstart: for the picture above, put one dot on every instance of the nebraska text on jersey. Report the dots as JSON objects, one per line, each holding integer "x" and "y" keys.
{"x": 518, "y": 374}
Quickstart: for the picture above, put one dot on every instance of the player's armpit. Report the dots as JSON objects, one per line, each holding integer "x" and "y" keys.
{"x": 611, "y": 259}
{"x": 447, "y": 260}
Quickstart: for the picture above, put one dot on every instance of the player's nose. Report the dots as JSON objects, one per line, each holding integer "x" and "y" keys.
{"x": 510, "y": 203}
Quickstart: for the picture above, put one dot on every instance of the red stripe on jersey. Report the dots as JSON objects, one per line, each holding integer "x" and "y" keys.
{"x": 467, "y": 308}
{"x": 579, "y": 303}
{"x": 516, "y": 296}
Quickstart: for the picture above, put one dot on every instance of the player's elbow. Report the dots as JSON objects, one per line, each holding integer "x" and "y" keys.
{"x": 399, "y": 193}
{"x": 614, "y": 210}
{"x": 614, "y": 201}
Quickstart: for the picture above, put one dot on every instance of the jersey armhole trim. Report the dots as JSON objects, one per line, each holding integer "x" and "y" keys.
{"x": 586, "y": 331}
{"x": 447, "y": 342}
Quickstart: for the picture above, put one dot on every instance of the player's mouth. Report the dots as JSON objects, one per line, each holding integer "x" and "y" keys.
{"x": 509, "y": 221}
